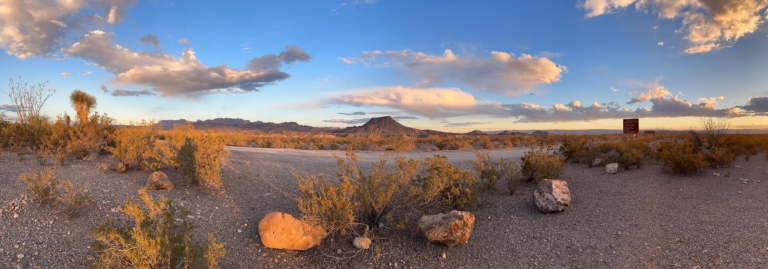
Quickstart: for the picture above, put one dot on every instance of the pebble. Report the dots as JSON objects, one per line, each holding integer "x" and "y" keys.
{"x": 239, "y": 231}
{"x": 443, "y": 256}
{"x": 20, "y": 255}
{"x": 15, "y": 246}
{"x": 338, "y": 251}
{"x": 15, "y": 216}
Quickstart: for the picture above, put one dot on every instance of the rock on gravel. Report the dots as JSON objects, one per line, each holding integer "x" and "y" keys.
{"x": 597, "y": 162}
{"x": 612, "y": 168}
{"x": 282, "y": 231}
{"x": 118, "y": 166}
{"x": 158, "y": 181}
{"x": 449, "y": 229}
{"x": 361, "y": 242}
{"x": 552, "y": 195}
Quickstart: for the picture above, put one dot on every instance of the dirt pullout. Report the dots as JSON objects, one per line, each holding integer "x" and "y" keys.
{"x": 641, "y": 218}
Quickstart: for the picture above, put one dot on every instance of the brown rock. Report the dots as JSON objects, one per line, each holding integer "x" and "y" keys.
{"x": 118, "y": 166}
{"x": 552, "y": 195}
{"x": 449, "y": 229}
{"x": 91, "y": 157}
{"x": 159, "y": 181}
{"x": 282, "y": 231}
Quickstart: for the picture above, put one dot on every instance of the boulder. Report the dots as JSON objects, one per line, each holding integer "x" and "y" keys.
{"x": 449, "y": 229}
{"x": 159, "y": 181}
{"x": 552, "y": 195}
{"x": 361, "y": 242}
{"x": 118, "y": 166}
{"x": 612, "y": 168}
{"x": 282, "y": 231}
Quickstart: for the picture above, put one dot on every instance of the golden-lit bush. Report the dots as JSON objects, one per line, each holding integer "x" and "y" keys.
{"x": 135, "y": 145}
{"x": 90, "y": 137}
{"x": 489, "y": 172}
{"x": 681, "y": 158}
{"x": 330, "y": 206}
{"x": 718, "y": 157}
{"x": 539, "y": 164}
{"x": 199, "y": 155}
{"x": 73, "y": 202}
{"x": 441, "y": 183}
{"x": 42, "y": 185}
{"x": 159, "y": 237}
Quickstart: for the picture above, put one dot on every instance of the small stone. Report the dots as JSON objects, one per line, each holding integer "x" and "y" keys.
{"x": 239, "y": 231}
{"x": 118, "y": 166}
{"x": 15, "y": 216}
{"x": 612, "y": 168}
{"x": 159, "y": 181}
{"x": 338, "y": 251}
{"x": 443, "y": 257}
{"x": 15, "y": 246}
{"x": 381, "y": 225}
{"x": 597, "y": 162}
{"x": 361, "y": 242}
{"x": 20, "y": 255}
{"x": 716, "y": 174}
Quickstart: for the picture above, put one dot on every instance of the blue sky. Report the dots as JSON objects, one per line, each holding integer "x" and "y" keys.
{"x": 445, "y": 65}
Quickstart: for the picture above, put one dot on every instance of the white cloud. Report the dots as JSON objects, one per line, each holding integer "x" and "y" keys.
{"x": 501, "y": 72}
{"x": 660, "y": 44}
{"x": 32, "y": 28}
{"x": 184, "y": 41}
{"x": 708, "y": 24}
{"x": 650, "y": 91}
{"x": 615, "y": 90}
{"x": 185, "y": 75}
{"x": 353, "y": 3}
{"x": 85, "y": 74}
{"x": 64, "y": 74}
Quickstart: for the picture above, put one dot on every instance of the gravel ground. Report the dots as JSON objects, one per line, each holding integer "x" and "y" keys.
{"x": 641, "y": 218}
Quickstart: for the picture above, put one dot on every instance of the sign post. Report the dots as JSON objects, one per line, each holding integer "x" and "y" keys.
{"x": 631, "y": 126}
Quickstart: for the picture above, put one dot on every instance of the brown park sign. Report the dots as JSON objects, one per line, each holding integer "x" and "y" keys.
{"x": 631, "y": 126}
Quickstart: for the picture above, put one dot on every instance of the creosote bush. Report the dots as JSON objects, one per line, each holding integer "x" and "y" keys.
{"x": 442, "y": 183}
{"x": 539, "y": 164}
{"x": 199, "y": 155}
{"x": 44, "y": 189}
{"x": 328, "y": 205}
{"x": 158, "y": 237}
{"x": 681, "y": 158}
{"x": 490, "y": 172}
{"x": 135, "y": 145}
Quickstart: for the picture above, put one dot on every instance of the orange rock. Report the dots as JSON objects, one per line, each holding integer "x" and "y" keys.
{"x": 282, "y": 231}
{"x": 159, "y": 181}
{"x": 449, "y": 229}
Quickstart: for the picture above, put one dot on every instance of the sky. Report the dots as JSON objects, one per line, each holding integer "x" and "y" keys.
{"x": 444, "y": 65}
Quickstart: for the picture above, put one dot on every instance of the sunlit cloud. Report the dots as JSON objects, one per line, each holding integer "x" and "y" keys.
{"x": 707, "y": 24}
{"x": 184, "y": 41}
{"x": 64, "y": 74}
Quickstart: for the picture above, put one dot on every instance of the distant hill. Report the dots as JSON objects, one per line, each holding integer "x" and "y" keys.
{"x": 229, "y": 121}
{"x": 386, "y": 126}
{"x": 284, "y": 127}
{"x": 241, "y": 124}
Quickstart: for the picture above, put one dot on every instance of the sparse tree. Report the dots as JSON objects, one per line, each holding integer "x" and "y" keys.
{"x": 83, "y": 103}
{"x": 28, "y": 100}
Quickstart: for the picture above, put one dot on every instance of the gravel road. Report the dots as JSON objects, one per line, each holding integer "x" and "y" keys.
{"x": 641, "y": 218}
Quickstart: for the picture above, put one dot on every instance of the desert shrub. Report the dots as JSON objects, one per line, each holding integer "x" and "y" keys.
{"x": 134, "y": 145}
{"x": 90, "y": 137}
{"x": 589, "y": 153}
{"x": 199, "y": 155}
{"x": 714, "y": 130}
{"x": 513, "y": 180}
{"x": 453, "y": 144}
{"x": 539, "y": 164}
{"x": 490, "y": 172}
{"x": 401, "y": 144}
{"x": 159, "y": 237}
{"x": 718, "y": 157}
{"x": 486, "y": 144}
{"x": 330, "y": 206}
{"x": 382, "y": 190}
{"x": 440, "y": 182}
{"x": 571, "y": 147}
{"x": 627, "y": 157}
{"x": 42, "y": 153}
{"x": 681, "y": 158}
{"x": 42, "y": 185}
{"x": 73, "y": 202}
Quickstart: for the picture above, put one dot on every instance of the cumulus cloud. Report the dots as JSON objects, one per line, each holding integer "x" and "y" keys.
{"x": 184, "y": 41}
{"x": 119, "y": 92}
{"x": 652, "y": 90}
{"x": 33, "y": 28}
{"x": 359, "y": 113}
{"x": 707, "y": 24}
{"x": 660, "y": 43}
{"x": 150, "y": 40}
{"x": 185, "y": 75}
{"x": 437, "y": 103}
{"x": 756, "y": 104}
{"x": 430, "y": 102}
{"x": 64, "y": 74}
{"x": 501, "y": 72}
{"x": 364, "y": 120}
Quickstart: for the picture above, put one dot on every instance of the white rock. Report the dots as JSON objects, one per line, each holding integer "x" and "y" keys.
{"x": 716, "y": 174}
{"x": 597, "y": 162}
{"x": 20, "y": 255}
{"x": 612, "y": 168}
{"x": 552, "y": 195}
{"x": 362, "y": 242}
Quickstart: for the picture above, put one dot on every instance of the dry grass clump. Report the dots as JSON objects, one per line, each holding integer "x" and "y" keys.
{"x": 44, "y": 189}
{"x": 159, "y": 237}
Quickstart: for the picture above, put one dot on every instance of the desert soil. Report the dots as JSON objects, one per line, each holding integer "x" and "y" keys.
{"x": 641, "y": 218}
